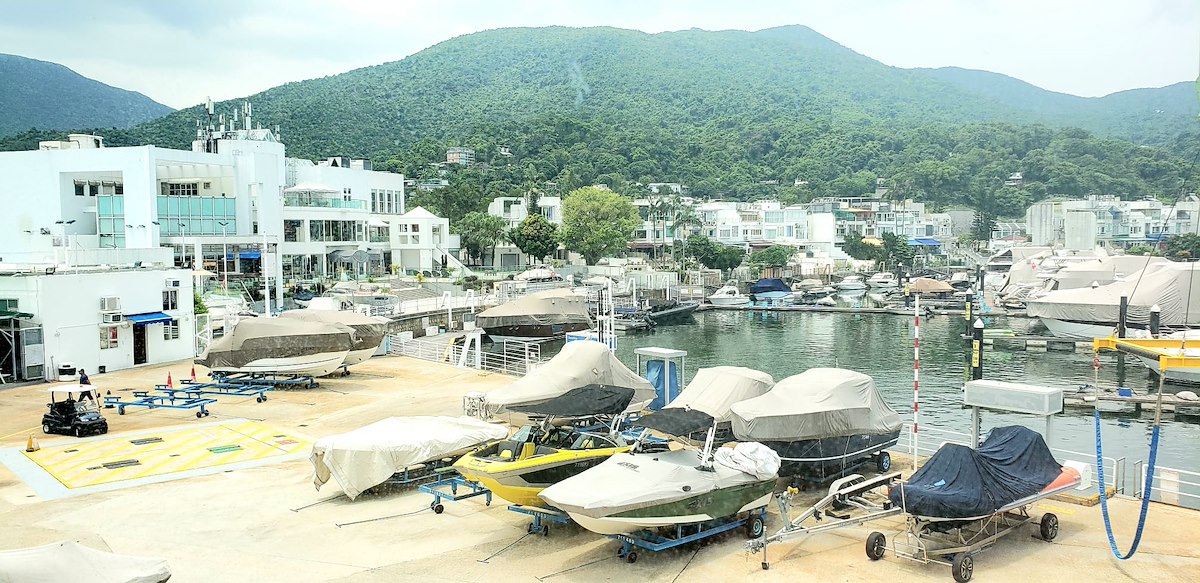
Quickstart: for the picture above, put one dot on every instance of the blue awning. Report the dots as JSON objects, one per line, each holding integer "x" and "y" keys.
{"x": 926, "y": 242}
{"x": 148, "y": 318}
{"x": 245, "y": 255}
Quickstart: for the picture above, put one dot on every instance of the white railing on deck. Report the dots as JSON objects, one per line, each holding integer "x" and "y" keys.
{"x": 1169, "y": 485}
{"x": 513, "y": 358}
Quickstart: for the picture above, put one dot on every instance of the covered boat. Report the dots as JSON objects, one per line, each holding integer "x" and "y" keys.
{"x": 537, "y": 316}
{"x": 822, "y": 422}
{"x": 368, "y": 456}
{"x": 927, "y": 285}
{"x": 368, "y": 330}
{"x": 706, "y": 401}
{"x": 1093, "y": 312}
{"x": 281, "y": 346}
{"x": 630, "y": 492}
{"x": 770, "y": 289}
{"x": 71, "y": 562}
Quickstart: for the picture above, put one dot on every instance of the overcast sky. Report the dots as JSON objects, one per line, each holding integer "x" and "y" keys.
{"x": 179, "y": 52}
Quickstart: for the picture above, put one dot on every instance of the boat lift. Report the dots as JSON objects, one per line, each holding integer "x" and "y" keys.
{"x": 852, "y": 501}
{"x": 164, "y": 401}
{"x": 278, "y": 381}
{"x": 754, "y": 521}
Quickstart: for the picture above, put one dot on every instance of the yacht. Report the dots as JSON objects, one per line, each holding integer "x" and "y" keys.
{"x": 728, "y": 296}
{"x": 851, "y": 283}
{"x": 883, "y": 280}
{"x": 770, "y": 290}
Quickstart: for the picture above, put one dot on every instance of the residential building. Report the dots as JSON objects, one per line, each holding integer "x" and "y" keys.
{"x": 515, "y": 209}
{"x": 460, "y": 156}
{"x": 1108, "y": 221}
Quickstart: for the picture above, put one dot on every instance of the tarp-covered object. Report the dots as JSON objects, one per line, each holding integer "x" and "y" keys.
{"x": 369, "y": 330}
{"x": 770, "y": 284}
{"x": 815, "y": 404}
{"x": 71, "y": 562}
{"x": 1174, "y": 286}
{"x": 369, "y": 455}
{"x": 751, "y": 457}
{"x": 581, "y": 402}
{"x": 960, "y": 482}
{"x": 256, "y": 338}
{"x": 708, "y": 398}
{"x": 925, "y": 285}
{"x": 553, "y": 306}
{"x": 577, "y": 365}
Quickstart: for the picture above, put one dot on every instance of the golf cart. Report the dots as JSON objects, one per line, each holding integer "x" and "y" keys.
{"x": 71, "y": 416}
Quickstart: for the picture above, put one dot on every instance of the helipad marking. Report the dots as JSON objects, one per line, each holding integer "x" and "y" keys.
{"x": 118, "y": 461}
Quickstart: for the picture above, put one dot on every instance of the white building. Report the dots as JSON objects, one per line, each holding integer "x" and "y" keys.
{"x": 514, "y": 209}
{"x": 1108, "y": 221}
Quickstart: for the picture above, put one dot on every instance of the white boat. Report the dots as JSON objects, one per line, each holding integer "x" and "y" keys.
{"x": 851, "y": 283}
{"x": 280, "y": 346}
{"x": 883, "y": 280}
{"x": 728, "y": 296}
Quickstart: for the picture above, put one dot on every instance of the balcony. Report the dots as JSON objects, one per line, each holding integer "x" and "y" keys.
{"x": 324, "y": 202}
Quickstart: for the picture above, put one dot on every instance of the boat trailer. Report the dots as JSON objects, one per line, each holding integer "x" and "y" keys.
{"x": 188, "y": 388}
{"x": 851, "y": 501}
{"x": 542, "y": 517}
{"x": 753, "y": 520}
{"x": 279, "y": 381}
{"x": 167, "y": 401}
{"x": 454, "y": 483}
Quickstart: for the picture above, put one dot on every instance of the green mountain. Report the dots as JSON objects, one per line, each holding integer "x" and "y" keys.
{"x": 38, "y": 94}
{"x": 672, "y": 79}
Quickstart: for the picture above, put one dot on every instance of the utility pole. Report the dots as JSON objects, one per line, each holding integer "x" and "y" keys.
{"x": 224, "y": 256}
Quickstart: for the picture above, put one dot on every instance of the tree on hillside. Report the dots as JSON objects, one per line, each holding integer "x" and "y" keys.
{"x": 535, "y": 237}
{"x": 896, "y": 251}
{"x": 773, "y": 256}
{"x": 597, "y": 223}
{"x": 1183, "y": 246}
{"x": 855, "y": 247}
{"x": 727, "y": 257}
{"x": 479, "y": 232}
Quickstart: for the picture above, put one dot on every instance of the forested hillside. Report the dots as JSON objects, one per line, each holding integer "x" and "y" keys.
{"x": 38, "y": 94}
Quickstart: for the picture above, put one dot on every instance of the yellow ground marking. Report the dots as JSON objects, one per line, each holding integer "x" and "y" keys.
{"x": 78, "y": 465}
{"x": 30, "y": 431}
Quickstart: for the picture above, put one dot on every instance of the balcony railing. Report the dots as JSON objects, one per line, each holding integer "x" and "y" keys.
{"x": 334, "y": 203}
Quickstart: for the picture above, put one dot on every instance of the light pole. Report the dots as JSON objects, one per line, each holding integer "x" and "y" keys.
{"x": 224, "y": 256}
{"x": 182, "y": 232}
{"x": 66, "y": 247}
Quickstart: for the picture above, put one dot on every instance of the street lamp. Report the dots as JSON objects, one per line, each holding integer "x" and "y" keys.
{"x": 224, "y": 256}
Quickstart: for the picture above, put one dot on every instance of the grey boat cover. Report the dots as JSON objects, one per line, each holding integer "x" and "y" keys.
{"x": 369, "y": 455}
{"x": 629, "y": 481}
{"x": 369, "y": 330}
{"x": 71, "y": 562}
{"x": 815, "y": 404}
{"x": 708, "y": 398}
{"x": 579, "y": 364}
{"x": 552, "y": 306}
{"x": 256, "y": 338}
{"x": 1174, "y": 286}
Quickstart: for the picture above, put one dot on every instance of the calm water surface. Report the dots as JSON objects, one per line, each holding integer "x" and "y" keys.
{"x": 787, "y": 343}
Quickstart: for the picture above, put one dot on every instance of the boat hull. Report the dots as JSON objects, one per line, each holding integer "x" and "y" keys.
{"x": 830, "y": 457}
{"x": 356, "y": 356}
{"x": 679, "y": 313}
{"x": 1187, "y": 375}
{"x": 315, "y": 365}
{"x": 700, "y": 508}
{"x": 853, "y": 286}
{"x": 1078, "y": 330}
{"x": 521, "y": 481}
{"x": 529, "y": 333}
{"x": 729, "y": 301}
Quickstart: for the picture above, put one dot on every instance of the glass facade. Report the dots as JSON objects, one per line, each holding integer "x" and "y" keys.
{"x": 110, "y": 217}
{"x": 336, "y": 230}
{"x": 199, "y": 215}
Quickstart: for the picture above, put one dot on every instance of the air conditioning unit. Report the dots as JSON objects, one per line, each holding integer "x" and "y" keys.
{"x": 112, "y": 318}
{"x": 110, "y": 304}
{"x": 172, "y": 283}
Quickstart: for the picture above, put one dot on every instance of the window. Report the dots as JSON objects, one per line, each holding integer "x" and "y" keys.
{"x": 171, "y": 330}
{"x": 79, "y": 188}
{"x": 170, "y": 299}
{"x": 7, "y": 305}
{"x": 93, "y": 189}
{"x": 416, "y": 228}
{"x": 180, "y": 189}
{"x": 108, "y": 337}
{"x": 290, "y": 230}
{"x": 207, "y": 185}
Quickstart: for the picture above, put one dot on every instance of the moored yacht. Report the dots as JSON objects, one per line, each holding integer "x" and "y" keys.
{"x": 883, "y": 280}
{"x": 728, "y": 296}
{"x": 851, "y": 283}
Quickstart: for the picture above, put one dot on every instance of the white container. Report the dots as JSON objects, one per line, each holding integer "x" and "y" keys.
{"x": 1014, "y": 397}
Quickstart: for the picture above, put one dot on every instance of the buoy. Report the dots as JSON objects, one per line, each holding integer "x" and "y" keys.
{"x": 170, "y": 384}
{"x": 32, "y": 445}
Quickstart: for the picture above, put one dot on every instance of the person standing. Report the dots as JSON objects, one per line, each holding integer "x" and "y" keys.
{"x": 907, "y": 295}
{"x": 83, "y": 378}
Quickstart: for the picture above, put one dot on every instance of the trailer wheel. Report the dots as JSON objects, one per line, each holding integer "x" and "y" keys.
{"x": 1048, "y": 526}
{"x": 631, "y": 557}
{"x": 755, "y": 527}
{"x": 883, "y": 462}
{"x": 121, "y": 411}
{"x": 876, "y": 545}
{"x": 78, "y": 431}
{"x": 963, "y": 567}
{"x": 545, "y": 530}
{"x": 199, "y": 414}
{"x": 258, "y": 399}
{"x": 438, "y": 508}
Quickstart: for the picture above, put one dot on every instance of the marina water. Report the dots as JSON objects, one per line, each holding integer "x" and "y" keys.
{"x": 787, "y": 343}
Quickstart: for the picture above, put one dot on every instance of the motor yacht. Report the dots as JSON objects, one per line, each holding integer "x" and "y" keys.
{"x": 851, "y": 283}
{"x": 883, "y": 280}
{"x": 728, "y": 296}
{"x": 538, "y": 316}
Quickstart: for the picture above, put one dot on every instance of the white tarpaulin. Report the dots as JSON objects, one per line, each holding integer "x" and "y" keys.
{"x": 577, "y": 365}
{"x": 369, "y": 455}
{"x": 1174, "y": 286}
{"x": 714, "y": 390}
{"x": 553, "y": 306}
{"x": 71, "y": 562}
{"x": 815, "y": 404}
{"x": 751, "y": 457}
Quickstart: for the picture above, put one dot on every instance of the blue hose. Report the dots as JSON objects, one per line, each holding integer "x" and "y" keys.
{"x": 1137, "y": 537}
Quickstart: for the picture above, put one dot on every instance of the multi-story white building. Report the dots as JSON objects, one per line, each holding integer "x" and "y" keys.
{"x": 514, "y": 209}
{"x": 1108, "y": 221}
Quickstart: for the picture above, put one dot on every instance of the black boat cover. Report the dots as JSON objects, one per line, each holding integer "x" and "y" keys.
{"x": 960, "y": 482}
{"x": 583, "y": 401}
{"x": 769, "y": 285}
{"x": 677, "y": 421}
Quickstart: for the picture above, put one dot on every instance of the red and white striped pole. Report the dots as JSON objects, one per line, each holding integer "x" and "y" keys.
{"x": 916, "y": 374}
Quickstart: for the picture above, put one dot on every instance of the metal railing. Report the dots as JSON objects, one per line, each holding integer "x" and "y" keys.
{"x": 1169, "y": 485}
{"x": 321, "y": 202}
{"x": 513, "y": 358}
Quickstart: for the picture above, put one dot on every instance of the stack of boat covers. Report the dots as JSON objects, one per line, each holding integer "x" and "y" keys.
{"x": 1174, "y": 286}
{"x": 544, "y": 308}
{"x": 369, "y": 330}
{"x": 257, "y": 338}
{"x": 369, "y": 455}
{"x": 960, "y": 482}
{"x": 708, "y": 399}
{"x": 584, "y": 378}
{"x": 71, "y": 562}
{"x": 815, "y": 404}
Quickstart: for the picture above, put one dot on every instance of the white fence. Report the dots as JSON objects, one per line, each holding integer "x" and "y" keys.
{"x": 1169, "y": 485}
{"x": 512, "y": 358}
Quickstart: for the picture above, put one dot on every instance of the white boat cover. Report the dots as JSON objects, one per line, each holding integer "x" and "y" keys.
{"x": 71, "y": 562}
{"x": 926, "y": 285}
{"x": 578, "y": 364}
{"x": 552, "y": 306}
{"x": 369, "y": 455}
{"x": 751, "y": 457}
{"x": 628, "y": 481}
{"x": 1104, "y": 270}
{"x": 256, "y": 338}
{"x": 539, "y": 273}
{"x": 714, "y": 390}
{"x": 815, "y": 404}
{"x": 1174, "y": 286}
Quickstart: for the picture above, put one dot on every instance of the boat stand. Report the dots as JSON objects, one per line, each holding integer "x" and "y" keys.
{"x": 454, "y": 483}
{"x": 542, "y": 517}
{"x": 279, "y": 381}
{"x": 422, "y": 473}
{"x": 145, "y": 399}
{"x": 754, "y": 521}
{"x": 851, "y": 501}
